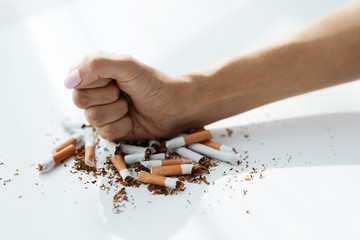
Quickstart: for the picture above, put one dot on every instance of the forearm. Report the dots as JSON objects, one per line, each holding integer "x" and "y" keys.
{"x": 324, "y": 54}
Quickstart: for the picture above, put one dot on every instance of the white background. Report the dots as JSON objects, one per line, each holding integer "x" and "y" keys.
{"x": 310, "y": 191}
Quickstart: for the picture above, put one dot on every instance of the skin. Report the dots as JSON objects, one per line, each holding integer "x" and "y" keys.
{"x": 127, "y": 100}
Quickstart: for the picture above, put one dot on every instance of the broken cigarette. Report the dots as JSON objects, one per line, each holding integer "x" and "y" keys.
{"x": 132, "y": 149}
{"x": 120, "y": 165}
{"x": 213, "y": 153}
{"x": 137, "y": 157}
{"x": 167, "y": 162}
{"x": 57, "y": 158}
{"x": 155, "y": 144}
{"x": 89, "y": 140}
{"x": 188, "y": 139}
{"x": 187, "y": 153}
{"x": 74, "y": 140}
{"x": 146, "y": 177}
{"x": 217, "y": 146}
{"x": 172, "y": 170}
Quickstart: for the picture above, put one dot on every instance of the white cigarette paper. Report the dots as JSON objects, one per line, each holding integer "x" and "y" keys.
{"x": 216, "y": 154}
{"x": 186, "y": 168}
{"x": 125, "y": 173}
{"x": 151, "y": 163}
{"x": 170, "y": 182}
{"x": 137, "y": 157}
{"x": 187, "y": 153}
{"x": 89, "y": 140}
{"x": 47, "y": 165}
{"x": 175, "y": 143}
{"x": 131, "y": 149}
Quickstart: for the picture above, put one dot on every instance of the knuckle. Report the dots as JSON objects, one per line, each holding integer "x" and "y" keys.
{"x": 123, "y": 106}
{"x": 114, "y": 93}
{"x": 93, "y": 116}
{"x": 79, "y": 99}
{"x": 107, "y": 132}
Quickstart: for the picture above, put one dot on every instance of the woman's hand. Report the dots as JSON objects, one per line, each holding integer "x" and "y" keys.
{"x": 125, "y": 99}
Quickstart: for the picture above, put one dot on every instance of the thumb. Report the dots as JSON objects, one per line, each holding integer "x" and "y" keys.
{"x": 97, "y": 70}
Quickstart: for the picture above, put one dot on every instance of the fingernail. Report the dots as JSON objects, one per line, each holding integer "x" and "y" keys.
{"x": 73, "y": 79}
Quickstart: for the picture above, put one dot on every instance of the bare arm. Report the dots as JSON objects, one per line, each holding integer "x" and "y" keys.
{"x": 323, "y": 54}
{"x": 144, "y": 103}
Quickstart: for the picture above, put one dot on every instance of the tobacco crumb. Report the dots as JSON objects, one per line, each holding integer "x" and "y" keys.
{"x": 229, "y": 132}
{"x": 247, "y": 211}
{"x": 40, "y": 167}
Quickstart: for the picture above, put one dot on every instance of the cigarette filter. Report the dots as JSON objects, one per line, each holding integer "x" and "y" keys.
{"x": 74, "y": 140}
{"x": 167, "y": 162}
{"x": 58, "y": 157}
{"x": 89, "y": 139}
{"x": 217, "y": 146}
{"x": 187, "y": 153}
{"x": 146, "y": 177}
{"x": 213, "y": 153}
{"x": 172, "y": 170}
{"x": 137, "y": 157}
{"x": 120, "y": 165}
{"x": 188, "y": 139}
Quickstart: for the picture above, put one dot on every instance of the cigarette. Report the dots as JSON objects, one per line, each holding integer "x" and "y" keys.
{"x": 74, "y": 140}
{"x": 188, "y": 139}
{"x": 173, "y": 170}
{"x": 57, "y": 158}
{"x": 146, "y": 177}
{"x": 89, "y": 139}
{"x": 137, "y": 157}
{"x": 132, "y": 149}
{"x": 187, "y": 153}
{"x": 167, "y": 162}
{"x": 120, "y": 165}
{"x": 155, "y": 144}
{"x": 217, "y": 146}
{"x": 213, "y": 153}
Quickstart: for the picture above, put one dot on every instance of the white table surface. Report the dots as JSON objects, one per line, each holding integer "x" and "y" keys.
{"x": 310, "y": 191}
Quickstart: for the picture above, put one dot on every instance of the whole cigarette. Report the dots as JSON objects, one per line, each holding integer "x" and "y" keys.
{"x": 74, "y": 140}
{"x": 57, "y": 158}
{"x": 120, "y": 165}
{"x": 187, "y": 153}
{"x": 132, "y": 149}
{"x": 146, "y": 177}
{"x": 213, "y": 153}
{"x": 188, "y": 139}
{"x": 89, "y": 139}
{"x": 137, "y": 157}
{"x": 172, "y": 170}
{"x": 217, "y": 146}
{"x": 167, "y": 162}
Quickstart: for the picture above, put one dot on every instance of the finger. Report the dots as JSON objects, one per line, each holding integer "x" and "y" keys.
{"x": 115, "y": 130}
{"x": 98, "y": 66}
{"x": 99, "y": 116}
{"x": 85, "y": 98}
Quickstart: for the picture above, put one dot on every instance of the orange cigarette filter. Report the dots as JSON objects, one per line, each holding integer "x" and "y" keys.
{"x": 73, "y": 140}
{"x": 197, "y": 137}
{"x": 212, "y": 144}
{"x": 64, "y": 153}
{"x": 119, "y": 162}
{"x": 172, "y": 170}
{"x": 168, "y": 162}
{"x": 146, "y": 177}
{"x": 217, "y": 146}
{"x": 90, "y": 156}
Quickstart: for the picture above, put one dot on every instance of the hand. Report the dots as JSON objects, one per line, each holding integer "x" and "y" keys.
{"x": 127, "y": 100}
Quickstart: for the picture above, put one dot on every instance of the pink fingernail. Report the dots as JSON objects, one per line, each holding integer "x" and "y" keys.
{"x": 73, "y": 79}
